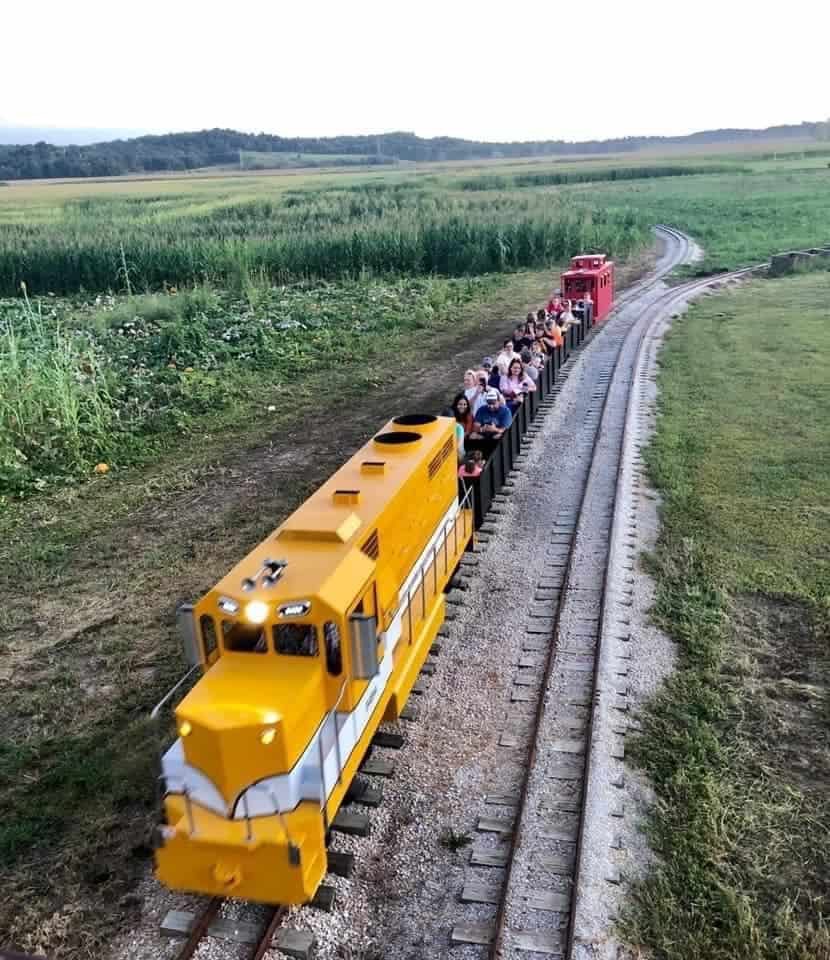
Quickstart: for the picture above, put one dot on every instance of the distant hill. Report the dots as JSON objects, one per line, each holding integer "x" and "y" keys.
{"x": 208, "y": 148}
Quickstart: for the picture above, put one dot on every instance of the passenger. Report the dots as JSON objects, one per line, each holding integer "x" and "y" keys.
{"x": 472, "y": 466}
{"x": 530, "y": 367}
{"x": 567, "y": 314}
{"x": 516, "y": 385}
{"x": 518, "y": 336}
{"x": 460, "y": 450}
{"x": 541, "y": 316}
{"x": 491, "y": 420}
{"x": 538, "y": 354}
{"x": 463, "y": 412}
{"x": 474, "y": 389}
{"x": 523, "y": 336}
{"x": 546, "y": 339}
{"x": 555, "y": 304}
{"x": 506, "y": 355}
{"x": 493, "y": 373}
{"x": 555, "y": 334}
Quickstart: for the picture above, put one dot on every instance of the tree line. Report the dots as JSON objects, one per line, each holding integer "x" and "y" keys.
{"x": 209, "y": 148}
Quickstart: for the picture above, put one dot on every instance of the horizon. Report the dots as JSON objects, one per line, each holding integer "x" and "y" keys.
{"x": 451, "y": 70}
{"x": 93, "y": 135}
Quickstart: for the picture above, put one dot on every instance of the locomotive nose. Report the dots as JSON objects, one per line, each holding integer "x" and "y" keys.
{"x": 233, "y": 748}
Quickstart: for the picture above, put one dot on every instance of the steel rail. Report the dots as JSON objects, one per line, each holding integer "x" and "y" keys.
{"x": 655, "y": 313}
{"x": 275, "y": 922}
{"x": 539, "y": 713}
{"x": 200, "y": 928}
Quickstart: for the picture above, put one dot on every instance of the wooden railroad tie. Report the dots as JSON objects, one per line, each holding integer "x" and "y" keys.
{"x": 339, "y": 863}
{"x": 352, "y": 824}
{"x": 392, "y": 741}
{"x": 409, "y": 713}
{"x": 363, "y": 792}
{"x": 377, "y": 767}
{"x": 298, "y": 944}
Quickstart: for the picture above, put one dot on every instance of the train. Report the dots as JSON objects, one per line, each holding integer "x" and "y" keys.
{"x": 316, "y": 638}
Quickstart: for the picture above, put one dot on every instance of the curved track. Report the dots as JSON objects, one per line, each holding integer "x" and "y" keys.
{"x": 541, "y": 888}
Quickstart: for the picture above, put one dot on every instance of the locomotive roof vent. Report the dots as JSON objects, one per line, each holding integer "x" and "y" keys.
{"x": 377, "y": 467}
{"x": 344, "y": 498}
{"x": 397, "y": 440}
{"x": 423, "y": 421}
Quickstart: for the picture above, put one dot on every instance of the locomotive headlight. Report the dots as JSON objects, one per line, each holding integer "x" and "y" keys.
{"x": 270, "y": 717}
{"x": 227, "y": 605}
{"x": 256, "y": 611}
{"x": 185, "y": 729}
{"x": 267, "y": 736}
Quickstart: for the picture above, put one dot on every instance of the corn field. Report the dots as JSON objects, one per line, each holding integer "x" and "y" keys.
{"x": 142, "y": 243}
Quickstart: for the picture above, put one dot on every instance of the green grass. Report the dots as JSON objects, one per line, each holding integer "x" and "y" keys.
{"x": 111, "y": 380}
{"x": 739, "y": 219}
{"x": 737, "y": 745}
{"x": 590, "y": 174}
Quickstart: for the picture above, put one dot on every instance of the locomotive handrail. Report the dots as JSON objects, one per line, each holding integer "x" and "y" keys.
{"x": 279, "y": 814}
{"x": 161, "y": 780}
{"x": 171, "y": 691}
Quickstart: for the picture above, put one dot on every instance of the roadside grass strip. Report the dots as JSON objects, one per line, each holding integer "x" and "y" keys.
{"x": 737, "y": 745}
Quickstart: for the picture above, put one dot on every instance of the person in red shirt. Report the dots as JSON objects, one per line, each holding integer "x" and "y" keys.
{"x": 472, "y": 466}
{"x": 555, "y": 306}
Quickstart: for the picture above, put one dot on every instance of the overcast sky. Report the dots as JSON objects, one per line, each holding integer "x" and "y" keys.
{"x": 503, "y": 71}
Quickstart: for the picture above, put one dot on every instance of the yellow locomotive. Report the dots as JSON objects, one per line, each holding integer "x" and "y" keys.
{"x": 306, "y": 646}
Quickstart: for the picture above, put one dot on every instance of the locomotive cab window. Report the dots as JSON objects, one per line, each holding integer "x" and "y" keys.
{"x": 243, "y": 637}
{"x": 208, "y": 628}
{"x": 334, "y": 655}
{"x": 296, "y": 639}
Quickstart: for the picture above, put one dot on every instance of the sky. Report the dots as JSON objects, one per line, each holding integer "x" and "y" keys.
{"x": 486, "y": 71}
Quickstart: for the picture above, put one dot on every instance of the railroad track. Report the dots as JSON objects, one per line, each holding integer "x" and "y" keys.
{"x": 259, "y": 935}
{"x": 534, "y": 880}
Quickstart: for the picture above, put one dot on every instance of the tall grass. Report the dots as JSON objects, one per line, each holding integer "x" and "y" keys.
{"x": 56, "y": 409}
{"x": 123, "y": 244}
{"x": 551, "y": 178}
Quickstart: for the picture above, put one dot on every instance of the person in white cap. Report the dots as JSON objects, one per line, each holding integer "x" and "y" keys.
{"x": 491, "y": 419}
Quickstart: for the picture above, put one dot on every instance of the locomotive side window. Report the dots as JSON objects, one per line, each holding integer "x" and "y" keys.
{"x": 243, "y": 637}
{"x": 296, "y": 639}
{"x": 209, "y": 641}
{"x": 334, "y": 655}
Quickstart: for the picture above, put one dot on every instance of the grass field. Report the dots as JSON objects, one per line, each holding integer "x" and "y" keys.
{"x": 738, "y": 746}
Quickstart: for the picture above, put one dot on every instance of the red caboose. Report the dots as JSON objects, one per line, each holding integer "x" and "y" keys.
{"x": 593, "y": 275}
